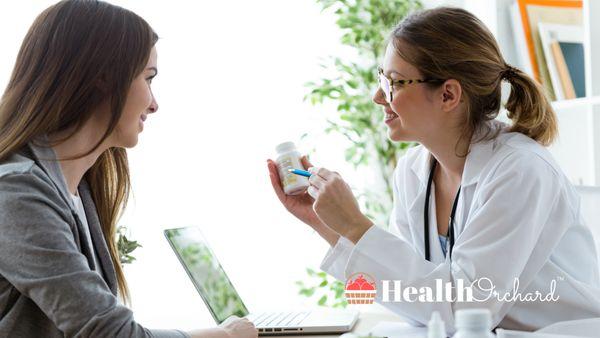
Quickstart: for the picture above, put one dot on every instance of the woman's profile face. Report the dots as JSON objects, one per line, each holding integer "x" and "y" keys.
{"x": 139, "y": 104}
{"x": 412, "y": 113}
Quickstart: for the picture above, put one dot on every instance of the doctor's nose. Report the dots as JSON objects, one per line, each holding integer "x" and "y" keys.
{"x": 379, "y": 98}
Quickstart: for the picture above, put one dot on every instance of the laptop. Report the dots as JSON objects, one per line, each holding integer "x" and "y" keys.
{"x": 223, "y": 301}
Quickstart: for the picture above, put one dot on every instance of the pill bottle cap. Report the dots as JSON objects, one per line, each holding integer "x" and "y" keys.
{"x": 285, "y": 147}
{"x": 474, "y": 319}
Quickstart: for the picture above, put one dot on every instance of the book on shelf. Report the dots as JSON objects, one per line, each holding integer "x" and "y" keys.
{"x": 566, "y": 84}
{"x": 573, "y": 54}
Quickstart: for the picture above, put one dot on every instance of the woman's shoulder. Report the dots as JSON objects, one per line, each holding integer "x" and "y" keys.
{"x": 16, "y": 164}
{"x": 22, "y": 178}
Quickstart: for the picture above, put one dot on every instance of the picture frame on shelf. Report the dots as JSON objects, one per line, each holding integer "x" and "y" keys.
{"x": 528, "y": 14}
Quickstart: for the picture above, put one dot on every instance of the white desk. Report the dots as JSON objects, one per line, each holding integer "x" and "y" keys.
{"x": 370, "y": 315}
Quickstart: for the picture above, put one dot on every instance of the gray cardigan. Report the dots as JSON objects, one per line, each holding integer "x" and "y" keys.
{"x": 47, "y": 286}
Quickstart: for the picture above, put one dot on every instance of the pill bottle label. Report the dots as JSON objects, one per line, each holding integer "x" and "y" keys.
{"x": 287, "y": 178}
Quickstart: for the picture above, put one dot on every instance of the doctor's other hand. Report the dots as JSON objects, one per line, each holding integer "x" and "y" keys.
{"x": 300, "y": 205}
{"x": 336, "y": 205}
{"x": 232, "y": 327}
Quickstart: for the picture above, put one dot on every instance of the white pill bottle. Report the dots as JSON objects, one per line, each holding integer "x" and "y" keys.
{"x": 473, "y": 323}
{"x": 288, "y": 157}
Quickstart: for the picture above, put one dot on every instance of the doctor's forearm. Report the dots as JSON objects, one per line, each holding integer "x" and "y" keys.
{"x": 358, "y": 228}
{"x": 327, "y": 233}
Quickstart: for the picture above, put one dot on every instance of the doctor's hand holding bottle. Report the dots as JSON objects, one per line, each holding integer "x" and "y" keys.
{"x": 328, "y": 205}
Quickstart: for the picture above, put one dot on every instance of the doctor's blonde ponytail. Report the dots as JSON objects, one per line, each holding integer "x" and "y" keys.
{"x": 451, "y": 43}
{"x": 528, "y": 108}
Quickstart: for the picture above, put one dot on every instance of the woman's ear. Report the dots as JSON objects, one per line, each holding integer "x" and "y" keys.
{"x": 451, "y": 95}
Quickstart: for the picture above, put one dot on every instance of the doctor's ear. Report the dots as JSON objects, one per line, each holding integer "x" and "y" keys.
{"x": 451, "y": 94}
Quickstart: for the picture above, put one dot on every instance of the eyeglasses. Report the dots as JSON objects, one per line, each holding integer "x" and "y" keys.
{"x": 387, "y": 84}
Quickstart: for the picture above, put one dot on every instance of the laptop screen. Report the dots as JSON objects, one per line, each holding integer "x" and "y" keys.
{"x": 206, "y": 273}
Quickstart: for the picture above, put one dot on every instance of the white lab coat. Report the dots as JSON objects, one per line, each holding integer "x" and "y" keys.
{"x": 517, "y": 216}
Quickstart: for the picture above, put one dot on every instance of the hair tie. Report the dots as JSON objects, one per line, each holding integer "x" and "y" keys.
{"x": 509, "y": 73}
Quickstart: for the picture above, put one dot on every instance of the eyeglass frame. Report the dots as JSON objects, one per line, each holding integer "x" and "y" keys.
{"x": 391, "y": 82}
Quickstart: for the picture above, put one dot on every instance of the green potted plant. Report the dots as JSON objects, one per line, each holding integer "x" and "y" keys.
{"x": 125, "y": 246}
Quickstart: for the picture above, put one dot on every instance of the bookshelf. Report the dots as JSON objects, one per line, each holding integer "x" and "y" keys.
{"x": 577, "y": 150}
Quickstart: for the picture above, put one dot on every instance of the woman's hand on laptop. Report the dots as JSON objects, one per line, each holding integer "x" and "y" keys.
{"x": 232, "y": 327}
{"x": 236, "y": 327}
{"x": 301, "y": 205}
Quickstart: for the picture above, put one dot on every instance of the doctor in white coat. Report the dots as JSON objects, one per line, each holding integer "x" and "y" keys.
{"x": 476, "y": 201}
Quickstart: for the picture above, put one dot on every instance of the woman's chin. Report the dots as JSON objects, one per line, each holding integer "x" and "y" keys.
{"x": 133, "y": 142}
{"x": 129, "y": 142}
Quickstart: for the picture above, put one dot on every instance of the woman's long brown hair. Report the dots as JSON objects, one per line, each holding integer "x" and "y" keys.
{"x": 77, "y": 55}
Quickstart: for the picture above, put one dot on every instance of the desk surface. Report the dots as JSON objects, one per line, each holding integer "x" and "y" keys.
{"x": 367, "y": 319}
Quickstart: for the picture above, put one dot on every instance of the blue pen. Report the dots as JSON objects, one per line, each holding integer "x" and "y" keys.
{"x": 300, "y": 172}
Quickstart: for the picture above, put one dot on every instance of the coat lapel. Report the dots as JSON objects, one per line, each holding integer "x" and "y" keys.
{"x": 46, "y": 159}
{"x": 97, "y": 236}
{"x": 416, "y": 210}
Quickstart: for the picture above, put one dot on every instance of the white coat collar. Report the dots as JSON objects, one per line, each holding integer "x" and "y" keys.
{"x": 479, "y": 155}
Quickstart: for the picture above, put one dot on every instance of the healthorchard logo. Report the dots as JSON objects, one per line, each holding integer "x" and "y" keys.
{"x": 360, "y": 289}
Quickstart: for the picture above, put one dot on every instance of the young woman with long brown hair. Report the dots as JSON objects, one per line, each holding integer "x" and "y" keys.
{"x": 477, "y": 200}
{"x": 78, "y": 96}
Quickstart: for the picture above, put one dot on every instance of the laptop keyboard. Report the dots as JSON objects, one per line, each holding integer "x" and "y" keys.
{"x": 279, "y": 319}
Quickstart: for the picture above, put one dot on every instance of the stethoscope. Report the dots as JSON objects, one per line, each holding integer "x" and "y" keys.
{"x": 450, "y": 233}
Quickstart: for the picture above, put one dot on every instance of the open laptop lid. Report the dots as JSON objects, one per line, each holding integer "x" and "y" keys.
{"x": 206, "y": 273}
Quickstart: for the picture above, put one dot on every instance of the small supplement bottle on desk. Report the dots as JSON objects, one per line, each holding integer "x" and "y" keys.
{"x": 289, "y": 158}
{"x": 473, "y": 323}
